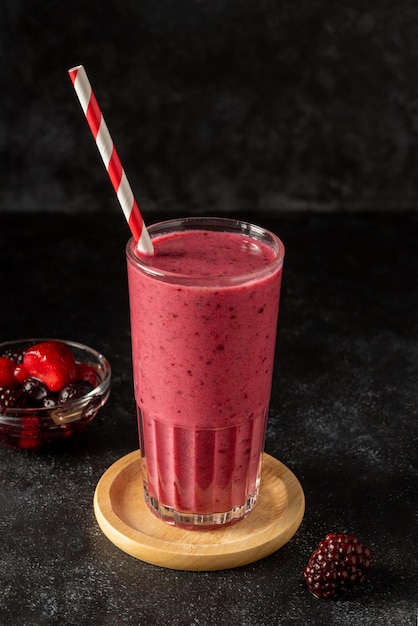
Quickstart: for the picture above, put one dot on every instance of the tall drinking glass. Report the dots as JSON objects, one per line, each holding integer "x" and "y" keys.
{"x": 203, "y": 315}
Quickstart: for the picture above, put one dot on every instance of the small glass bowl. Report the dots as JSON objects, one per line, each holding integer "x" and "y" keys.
{"x": 34, "y": 428}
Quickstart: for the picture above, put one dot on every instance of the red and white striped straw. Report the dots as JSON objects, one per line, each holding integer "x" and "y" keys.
{"x": 110, "y": 158}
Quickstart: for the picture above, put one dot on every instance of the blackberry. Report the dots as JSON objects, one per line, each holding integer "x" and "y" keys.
{"x": 339, "y": 563}
{"x": 11, "y": 398}
{"x": 74, "y": 390}
{"x": 14, "y": 355}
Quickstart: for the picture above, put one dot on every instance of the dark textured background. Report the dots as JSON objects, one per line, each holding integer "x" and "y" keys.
{"x": 213, "y": 106}
{"x": 244, "y": 107}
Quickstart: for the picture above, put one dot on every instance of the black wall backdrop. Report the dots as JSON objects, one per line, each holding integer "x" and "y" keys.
{"x": 214, "y": 105}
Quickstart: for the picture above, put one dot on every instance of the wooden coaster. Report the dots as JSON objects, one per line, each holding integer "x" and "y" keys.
{"x": 126, "y": 521}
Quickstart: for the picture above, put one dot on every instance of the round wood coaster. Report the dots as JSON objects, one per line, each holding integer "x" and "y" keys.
{"x": 126, "y": 521}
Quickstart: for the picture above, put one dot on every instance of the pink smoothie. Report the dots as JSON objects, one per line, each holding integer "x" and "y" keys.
{"x": 203, "y": 318}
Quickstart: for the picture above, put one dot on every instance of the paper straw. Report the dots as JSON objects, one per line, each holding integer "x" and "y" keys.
{"x": 110, "y": 158}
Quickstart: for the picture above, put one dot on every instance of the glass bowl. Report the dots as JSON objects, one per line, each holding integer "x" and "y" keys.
{"x": 34, "y": 428}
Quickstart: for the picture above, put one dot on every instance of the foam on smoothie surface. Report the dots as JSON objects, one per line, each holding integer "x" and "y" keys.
{"x": 207, "y": 253}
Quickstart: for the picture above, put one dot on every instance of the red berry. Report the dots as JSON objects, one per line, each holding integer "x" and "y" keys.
{"x": 339, "y": 563}
{"x": 87, "y": 372}
{"x": 20, "y": 373}
{"x": 7, "y": 367}
{"x": 52, "y": 362}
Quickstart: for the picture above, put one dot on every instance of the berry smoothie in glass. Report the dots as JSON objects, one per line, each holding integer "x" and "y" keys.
{"x": 203, "y": 312}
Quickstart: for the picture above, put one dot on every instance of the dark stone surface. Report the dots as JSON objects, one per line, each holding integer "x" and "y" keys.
{"x": 343, "y": 418}
{"x": 253, "y": 104}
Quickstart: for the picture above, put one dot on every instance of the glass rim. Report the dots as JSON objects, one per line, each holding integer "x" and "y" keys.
{"x": 221, "y": 224}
